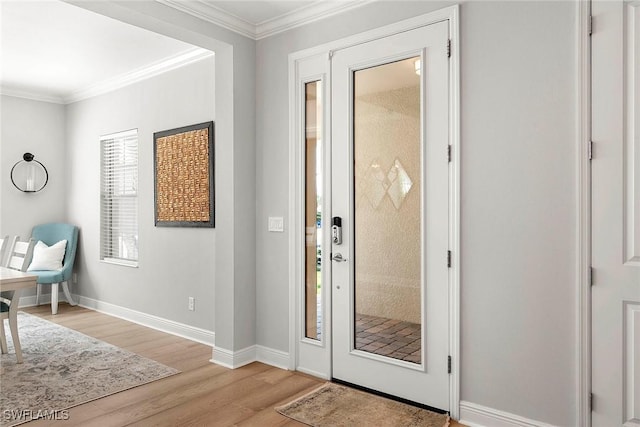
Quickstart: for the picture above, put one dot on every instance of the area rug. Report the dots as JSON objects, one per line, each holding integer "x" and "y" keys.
{"x": 63, "y": 368}
{"x": 337, "y": 405}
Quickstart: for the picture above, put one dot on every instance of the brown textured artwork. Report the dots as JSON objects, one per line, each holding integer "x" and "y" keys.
{"x": 184, "y": 180}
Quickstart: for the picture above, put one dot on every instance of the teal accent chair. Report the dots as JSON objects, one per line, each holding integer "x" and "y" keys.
{"x": 51, "y": 234}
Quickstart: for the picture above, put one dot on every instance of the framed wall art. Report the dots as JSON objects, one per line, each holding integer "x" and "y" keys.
{"x": 183, "y": 161}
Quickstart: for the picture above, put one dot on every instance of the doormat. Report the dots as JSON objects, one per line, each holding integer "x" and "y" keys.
{"x": 337, "y": 405}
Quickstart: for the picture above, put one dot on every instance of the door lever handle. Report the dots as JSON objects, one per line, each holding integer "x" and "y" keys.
{"x": 338, "y": 257}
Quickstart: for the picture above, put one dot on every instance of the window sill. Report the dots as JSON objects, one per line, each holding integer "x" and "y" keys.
{"x": 122, "y": 262}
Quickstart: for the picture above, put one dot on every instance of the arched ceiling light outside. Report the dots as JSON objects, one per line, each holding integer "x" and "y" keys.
{"x": 29, "y": 175}
{"x": 416, "y": 66}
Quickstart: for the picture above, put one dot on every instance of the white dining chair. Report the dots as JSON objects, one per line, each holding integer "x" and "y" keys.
{"x": 19, "y": 258}
{"x": 6, "y": 243}
{"x": 20, "y": 254}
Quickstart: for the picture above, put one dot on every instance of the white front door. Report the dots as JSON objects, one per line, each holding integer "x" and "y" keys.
{"x": 616, "y": 213}
{"x": 390, "y": 194}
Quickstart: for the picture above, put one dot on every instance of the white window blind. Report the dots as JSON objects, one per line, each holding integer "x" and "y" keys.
{"x": 119, "y": 197}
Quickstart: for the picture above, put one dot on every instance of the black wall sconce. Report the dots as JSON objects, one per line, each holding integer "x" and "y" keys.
{"x": 29, "y": 175}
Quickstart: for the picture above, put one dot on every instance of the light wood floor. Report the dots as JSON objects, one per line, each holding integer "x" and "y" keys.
{"x": 204, "y": 394}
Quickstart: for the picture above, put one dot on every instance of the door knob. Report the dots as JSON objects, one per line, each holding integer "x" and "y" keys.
{"x": 338, "y": 257}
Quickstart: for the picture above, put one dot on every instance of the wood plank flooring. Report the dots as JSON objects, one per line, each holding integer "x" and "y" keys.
{"x": 204, "y": 394}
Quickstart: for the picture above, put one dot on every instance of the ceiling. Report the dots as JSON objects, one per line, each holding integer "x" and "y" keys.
{"x": 58, "y": 52}
{"x": 55, "y": 51}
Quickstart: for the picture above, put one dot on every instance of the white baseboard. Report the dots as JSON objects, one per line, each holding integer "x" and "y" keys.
{"x": 233, "y": 359}
{"x": 180, "y": 329}
{"x": 270, "y": 356}
{"x": 255, "y": 353}
{"x": 474, "y": 415}
{"x": 314, "y": 373}
{"x": 221, "y": 356}
{"x": 30, "y": 301}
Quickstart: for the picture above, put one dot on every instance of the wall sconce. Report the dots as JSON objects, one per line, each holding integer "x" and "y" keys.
{"x": 29, "y": 175}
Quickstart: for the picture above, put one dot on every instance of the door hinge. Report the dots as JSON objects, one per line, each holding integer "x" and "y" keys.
{"x": 449, "y": 259}
{"x": 590, "y": 25}
{"x": 448, "y": 364}
{"x": 449, "y": 153}
{"x": 590, "y": 276}
{"x": 590, "y": 150}
{"x": 449, "y": 48}
{"x": 330, "y": 54}
{"x": 591, "y": 401}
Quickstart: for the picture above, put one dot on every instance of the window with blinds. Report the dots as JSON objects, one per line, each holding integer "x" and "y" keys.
{"x": 119, "y": 198}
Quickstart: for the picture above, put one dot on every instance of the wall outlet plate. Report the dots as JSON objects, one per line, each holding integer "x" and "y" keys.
{"x": 192, "y": 304}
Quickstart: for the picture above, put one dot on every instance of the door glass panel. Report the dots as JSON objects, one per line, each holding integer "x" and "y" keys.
{"x": 313, "y": 210}
{"x": 387, "y": 169}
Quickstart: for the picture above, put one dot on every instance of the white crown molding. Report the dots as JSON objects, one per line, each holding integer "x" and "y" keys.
{"x": 171, "y": 63}
{"x": 256, "y": 31}
{"x": 305, "y": 15}
{"x": 212, "y": 14}
{"x": 137, "y": 75}
{"x": 19, "y": 93}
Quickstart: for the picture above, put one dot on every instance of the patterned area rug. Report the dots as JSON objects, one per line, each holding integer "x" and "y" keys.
{"x": 337, "y": 405}
{"x": 63, "y": 368}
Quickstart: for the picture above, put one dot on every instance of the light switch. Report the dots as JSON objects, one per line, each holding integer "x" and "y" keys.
{"x": 276, "y": 224}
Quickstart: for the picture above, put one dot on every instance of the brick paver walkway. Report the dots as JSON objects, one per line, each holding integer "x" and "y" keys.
{"x": 388, "y": 337}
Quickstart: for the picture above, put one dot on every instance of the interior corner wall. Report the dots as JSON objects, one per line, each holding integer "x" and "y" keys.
{"x": 518, "y": 201}
{"x": 174, "y": 263}
{"x": 36, "y": 127}
{"x": 234, "y": 280}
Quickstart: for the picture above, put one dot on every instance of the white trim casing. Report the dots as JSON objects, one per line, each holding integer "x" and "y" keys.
{"x": 631, "y": 167}
{"x": 454, "y": 212}
{"x": 583, "y": 214}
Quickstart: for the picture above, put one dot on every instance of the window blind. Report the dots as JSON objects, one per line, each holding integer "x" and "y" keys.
{"x": 119, "y": 197}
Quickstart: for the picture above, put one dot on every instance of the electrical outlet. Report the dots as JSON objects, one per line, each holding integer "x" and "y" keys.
{"x": 192, "y": 304}
{"x": 75, "y": 278}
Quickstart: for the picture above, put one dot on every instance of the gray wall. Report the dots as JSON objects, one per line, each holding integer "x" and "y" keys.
{"x": 519, "y": 154}
{"x": 174, "y": 263}
{"x": 38, "y": 128}
{"x": 518, "y": 194}
{"x": 234, "y": 308}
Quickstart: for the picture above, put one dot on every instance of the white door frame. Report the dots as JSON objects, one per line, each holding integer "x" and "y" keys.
{"x": 296, "y": 181}
{"x": 583, "y": 273}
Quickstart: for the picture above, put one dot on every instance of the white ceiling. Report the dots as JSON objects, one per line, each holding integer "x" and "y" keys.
{"x": 52, "y": 49}
{"x": 58, "y": 52}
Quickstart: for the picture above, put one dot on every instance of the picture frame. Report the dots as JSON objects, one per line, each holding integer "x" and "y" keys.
{"x": 184, "y": 185}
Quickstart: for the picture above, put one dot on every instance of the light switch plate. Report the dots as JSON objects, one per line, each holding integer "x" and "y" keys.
{"x": 276, "y": 224}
